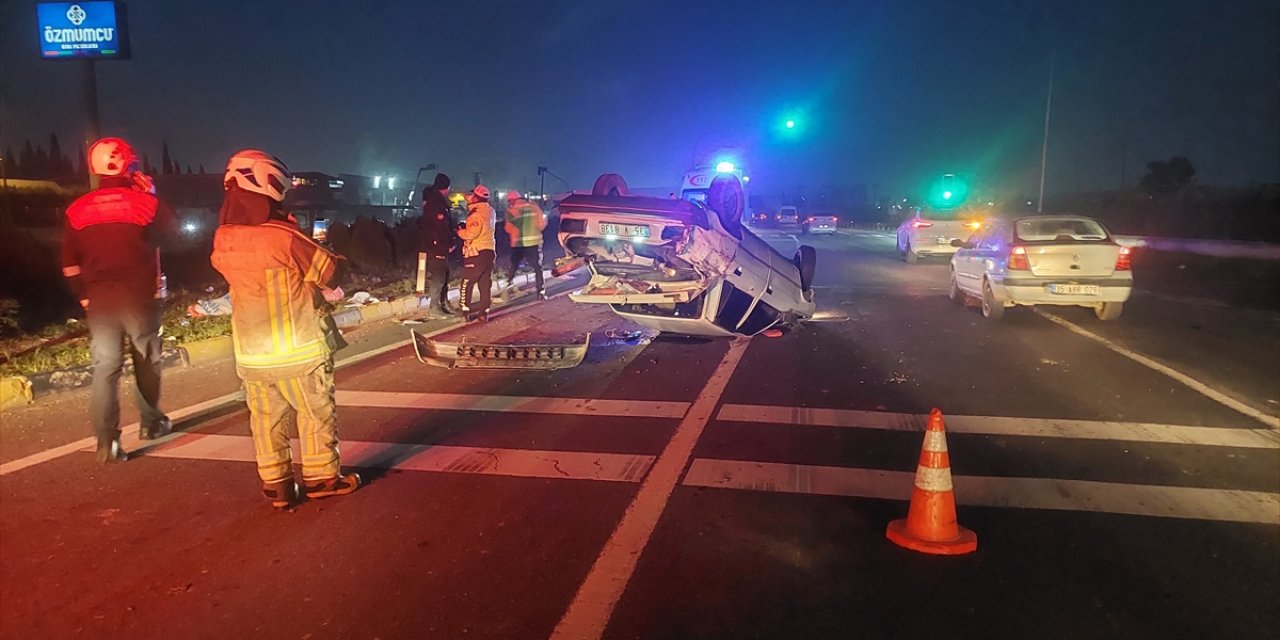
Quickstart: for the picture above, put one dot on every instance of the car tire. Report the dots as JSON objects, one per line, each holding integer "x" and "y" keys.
{"x": 1109, "y": 311}
{"x": 724, "y": 197}
{"x": 910, "y": 256}
{"x": 807, "y": 262}
{"x": 609, "y": 184}
{"x": 955, "y": 293}
{"x": 991, "y": 308}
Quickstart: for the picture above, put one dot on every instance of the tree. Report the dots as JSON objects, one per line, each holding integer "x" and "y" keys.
{"x": 188, "y": 169}
{"x": 59, "y": 165}
{"x": 41, "y": 169}
{"x": 146, "y": 166}
{"x": 10, "y": 162}
{"x": 166, "y": 162}
{"x": 1165, "y": 178}
{"x": 82, "y": 166}
{"x": 201, "y": 168}
{"x": 27, "y": 161}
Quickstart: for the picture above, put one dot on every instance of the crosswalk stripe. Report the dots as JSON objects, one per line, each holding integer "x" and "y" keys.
{"x": 1223, "y": 505}
{"x": 993, "y": 425}
{"x": 523, "y": 463}
{"x": 513, "y": 404}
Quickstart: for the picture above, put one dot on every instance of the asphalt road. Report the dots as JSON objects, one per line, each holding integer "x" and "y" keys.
{"x": 681, "y": 488}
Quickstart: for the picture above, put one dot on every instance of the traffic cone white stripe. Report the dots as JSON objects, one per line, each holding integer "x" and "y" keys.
{"x": 935, "y": 441}
{"x": 930, "y": 479}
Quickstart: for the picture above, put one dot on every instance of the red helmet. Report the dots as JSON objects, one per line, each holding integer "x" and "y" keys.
{"x": 111, "y": 157}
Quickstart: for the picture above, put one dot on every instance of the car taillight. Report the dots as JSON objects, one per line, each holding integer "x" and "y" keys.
{"x": 920, "y": 224}
{"x": 1018, "y": 259}
{"x": 1124, "y": 261}
{"x": 810, "y": 220}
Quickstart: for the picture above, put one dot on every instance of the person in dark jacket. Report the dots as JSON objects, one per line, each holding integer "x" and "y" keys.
{"x": 111, "y": 260}
{"x": 435, "y": 241}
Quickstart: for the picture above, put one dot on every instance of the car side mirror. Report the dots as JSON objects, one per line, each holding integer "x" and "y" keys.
{"x": 961, "y": 244}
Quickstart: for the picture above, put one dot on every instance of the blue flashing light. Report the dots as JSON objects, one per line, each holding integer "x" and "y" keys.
{"x": 725, "y": 167}
{"x": 791, "y": 124}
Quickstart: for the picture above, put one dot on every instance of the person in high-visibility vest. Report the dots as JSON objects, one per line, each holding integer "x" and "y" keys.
{"x": 478, "y": 246}
{"x": 284, "y": 340}
{"x": 111, "y": 260}
{"x": 525, "y": 223}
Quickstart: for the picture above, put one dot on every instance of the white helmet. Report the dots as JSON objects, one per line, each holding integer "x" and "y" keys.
{"x": 258, "y": 172}
{"x": 111, "y": 157}
{"x": 480, "y": 191}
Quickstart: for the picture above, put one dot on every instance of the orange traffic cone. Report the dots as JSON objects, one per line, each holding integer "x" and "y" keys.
{"x": 930, "y": 525}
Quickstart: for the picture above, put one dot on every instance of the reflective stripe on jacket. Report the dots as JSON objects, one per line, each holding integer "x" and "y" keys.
{"x": 525, "y": 223}
{"x": 477, "y": 236}
{"x": 107, "y": 241}
{"x": 275, "y": 273}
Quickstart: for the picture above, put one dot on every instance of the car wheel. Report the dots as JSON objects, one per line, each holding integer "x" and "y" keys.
{"x": 957, "y": 296}
{"x": 1109, "y": 311}
{"x": 807, "y": 261}
{"x": 991, "y": 308}
{"x": 724, "y": 197}
{"x": 609, "y": 184}
{"x": 910, "y": 256}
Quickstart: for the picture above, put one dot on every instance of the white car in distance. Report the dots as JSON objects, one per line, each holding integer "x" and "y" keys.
{"x": 1042, "y": 260}
{"x": 931, "y": 233}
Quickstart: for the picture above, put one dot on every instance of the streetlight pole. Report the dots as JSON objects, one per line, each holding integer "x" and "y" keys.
{"x": 1044, "y": 147}
{"x": 93, "y": 123}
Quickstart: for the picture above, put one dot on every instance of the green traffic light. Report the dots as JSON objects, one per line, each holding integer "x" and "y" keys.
{"x": 947, "y": 192}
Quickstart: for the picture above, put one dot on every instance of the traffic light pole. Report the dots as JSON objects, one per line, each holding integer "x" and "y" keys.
{"x": 93, "y": 123}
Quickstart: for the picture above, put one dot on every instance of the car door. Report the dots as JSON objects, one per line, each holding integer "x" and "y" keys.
{"x": 989, "y": 253}
{"x": 968, "y": 264}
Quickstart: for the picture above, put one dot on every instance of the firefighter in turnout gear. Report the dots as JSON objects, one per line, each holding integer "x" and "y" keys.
{"x": 478, "y": 253}
{"x": 112, "y": 263}
{"x": 525, "y": 223}
{"x": 284, "y": 340}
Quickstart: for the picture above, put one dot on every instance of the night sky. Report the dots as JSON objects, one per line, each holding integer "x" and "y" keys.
{"x": 888, "y": 93}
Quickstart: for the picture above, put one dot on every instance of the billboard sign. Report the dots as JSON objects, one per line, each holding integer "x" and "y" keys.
{"x": 96, "y": 29}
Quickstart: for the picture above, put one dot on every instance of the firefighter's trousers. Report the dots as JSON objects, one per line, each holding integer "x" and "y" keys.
{"x": 309, "y": 400}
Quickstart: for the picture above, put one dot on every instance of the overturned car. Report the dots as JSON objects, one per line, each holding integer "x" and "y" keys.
{"x": 682, "y": 267}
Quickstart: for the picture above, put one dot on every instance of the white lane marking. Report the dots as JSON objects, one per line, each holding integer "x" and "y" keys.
{"x": 1222, "y": 505}
{"x": 513, "y": 404}
{"x": 1202, "y": 388}
{"x": 599, "y": 593}
{"x": 522, "y": 463}
{"x": 128, "y": 433}
{"x": 1005, "y": 426}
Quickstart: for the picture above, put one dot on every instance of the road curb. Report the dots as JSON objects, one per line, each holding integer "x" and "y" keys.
{"x": 201, "y": 351}
{"x": 15, "y": 391}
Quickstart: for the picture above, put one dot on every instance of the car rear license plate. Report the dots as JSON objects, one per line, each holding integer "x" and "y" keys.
{"x": 624, "y": 230}
{"x": 944, "y": 240}
{"x": 1074, "y": 289}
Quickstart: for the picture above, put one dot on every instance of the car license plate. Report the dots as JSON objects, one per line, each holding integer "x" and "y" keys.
{"x": 944, "y": 240}
{"x": 1074, "y": 289}
{"x": 624, "y": 230}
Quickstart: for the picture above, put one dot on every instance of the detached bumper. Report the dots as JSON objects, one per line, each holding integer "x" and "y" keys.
{"x": 468, "y": 355}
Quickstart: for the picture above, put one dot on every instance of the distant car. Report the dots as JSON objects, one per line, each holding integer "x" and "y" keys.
{"x": 788, "y": 215}
{"x": 682, "y": 267}
{"x": 763, "y": 219}
{"x": 1043, "y": 260}
{"x": 929, "y": 233}
{"x": 820, "y": 222}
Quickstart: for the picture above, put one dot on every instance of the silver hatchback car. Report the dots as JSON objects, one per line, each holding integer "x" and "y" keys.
{"x": 1042, "y": 260}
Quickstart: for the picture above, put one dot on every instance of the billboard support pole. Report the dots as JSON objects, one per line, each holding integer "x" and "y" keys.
{"x": 93, "y": 122}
